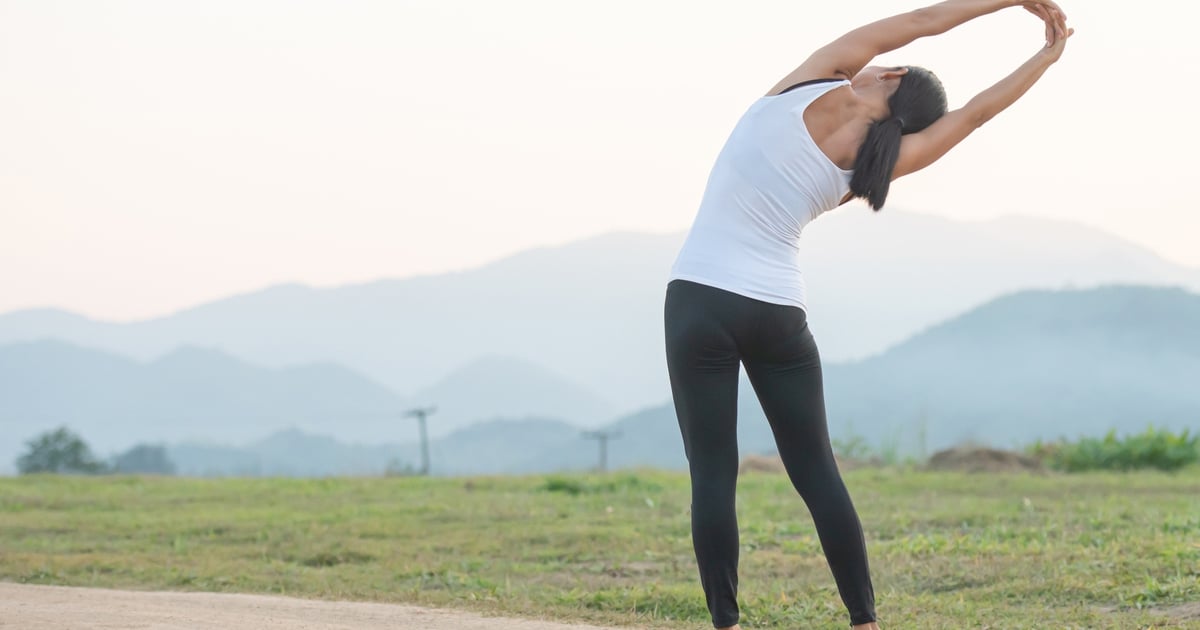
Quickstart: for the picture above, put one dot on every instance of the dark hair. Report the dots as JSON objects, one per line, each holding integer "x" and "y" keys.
{"x": 916, "y": 104}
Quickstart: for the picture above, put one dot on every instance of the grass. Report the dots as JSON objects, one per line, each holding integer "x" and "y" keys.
{"x": 1097, "y": 550}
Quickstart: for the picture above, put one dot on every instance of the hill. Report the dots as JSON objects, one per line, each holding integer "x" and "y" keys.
{"x": 504, "y": 387}
{"x": 1037, "y": 364}
{"x": 212, "y": 402}
{"x": 114, "y": 402}
{"x": 590, "y": 311}
{"x": 502, "y": 446}
{"x": 1032, "y": 365}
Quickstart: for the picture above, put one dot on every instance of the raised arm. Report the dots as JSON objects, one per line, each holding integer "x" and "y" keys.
{"x": 850, "y": 53}
{"x": 918, "y": 150}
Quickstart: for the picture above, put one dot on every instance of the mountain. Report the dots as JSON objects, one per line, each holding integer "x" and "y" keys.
{"x": 114, "y": 402}
{"x": 211, "y": 398}
{"x": 591, "y": 311}
{"x": 497, "y": 387}
{"x": 1036, "y": 364}
{"x": 287, "y": 453}
{"x": 490, "y": 447}
{"x": 1028, "y": 366}
{"x": 1032, "y": 365}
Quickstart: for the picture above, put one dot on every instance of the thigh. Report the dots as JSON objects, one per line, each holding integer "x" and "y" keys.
{"x": 784, "y": 367}
{"x": 703, "y": 363}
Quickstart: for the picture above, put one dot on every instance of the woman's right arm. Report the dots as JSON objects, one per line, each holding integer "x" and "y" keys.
{"x": 850, "y": 53}
{"x": 918, "y": 150}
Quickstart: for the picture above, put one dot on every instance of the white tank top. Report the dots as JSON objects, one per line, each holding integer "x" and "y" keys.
{"x": 769, "y": 181}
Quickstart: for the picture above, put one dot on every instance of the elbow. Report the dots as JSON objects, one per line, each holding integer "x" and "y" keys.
{"x": 975, "y": 115}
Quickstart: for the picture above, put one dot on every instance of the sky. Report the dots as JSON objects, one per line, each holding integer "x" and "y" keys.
{"x": 156, "y": 155}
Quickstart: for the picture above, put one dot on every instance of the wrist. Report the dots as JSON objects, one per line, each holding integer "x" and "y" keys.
{"x": 1047, "y": 55}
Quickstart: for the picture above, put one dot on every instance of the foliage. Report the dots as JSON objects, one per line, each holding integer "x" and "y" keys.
{"x": 149, "y": 459}
{"x": 853, "y": 446}
{"x": 1096, "y": 550}
{"x": 1153, "y": 448}
{"x": 887, "y": 451}
{"x": 59, "y": 451}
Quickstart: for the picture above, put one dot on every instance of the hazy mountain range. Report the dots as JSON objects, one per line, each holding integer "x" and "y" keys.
{"x": 590, "y": 312}
{"x": 1036, "y": 364}
{"x": 207, "y": 396}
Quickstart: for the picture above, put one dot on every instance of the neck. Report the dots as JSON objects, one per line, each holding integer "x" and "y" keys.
{"x": 872, "y": 105}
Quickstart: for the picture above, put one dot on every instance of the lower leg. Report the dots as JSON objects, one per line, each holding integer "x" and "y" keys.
{"x": 715, "y": 537}
{"x": 841, "y": 536}
{"x": 792, "y": 396}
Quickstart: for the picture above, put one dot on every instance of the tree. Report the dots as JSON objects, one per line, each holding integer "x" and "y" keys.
{"x": 144, "y": 458}
{"x": 59, "y": 451}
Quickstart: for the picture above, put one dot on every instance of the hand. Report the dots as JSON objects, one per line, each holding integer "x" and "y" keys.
{"x": 1053, "y": 16}
{"x": 1055, "y": 50}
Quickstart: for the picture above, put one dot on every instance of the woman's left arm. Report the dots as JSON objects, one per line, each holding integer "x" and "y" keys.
{"x": 850, "y": 53}
{"x": 918, "y": 150}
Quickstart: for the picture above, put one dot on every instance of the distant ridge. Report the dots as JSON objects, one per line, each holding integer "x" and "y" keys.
{"x": 1028, "y": 366}
{"x": 590, "y": 312}
{"x": 496, "y": 386}
{"x": 113, "y": 401}
{"x": 203, "y": 396}
{"x": 489, "y": 447}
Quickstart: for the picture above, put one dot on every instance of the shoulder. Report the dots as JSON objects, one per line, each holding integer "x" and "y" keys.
{"x": 798, "y": 80}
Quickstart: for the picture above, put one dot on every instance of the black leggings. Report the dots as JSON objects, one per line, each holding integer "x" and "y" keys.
{"x": 708, "y": 332}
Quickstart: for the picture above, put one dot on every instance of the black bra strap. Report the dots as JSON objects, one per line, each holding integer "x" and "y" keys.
{"x": 809, "y": 82}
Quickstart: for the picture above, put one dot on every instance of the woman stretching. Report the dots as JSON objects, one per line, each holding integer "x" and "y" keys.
{"x": 831, "y": 131}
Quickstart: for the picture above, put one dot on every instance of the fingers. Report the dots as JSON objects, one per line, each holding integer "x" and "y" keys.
{"x": 1049, "y": 6}
{"x": 1053, "y": 6}
{"x": 1048, "y": 20}
{"x": 1060, "y": 26}
{"x": 1053, "y": 17}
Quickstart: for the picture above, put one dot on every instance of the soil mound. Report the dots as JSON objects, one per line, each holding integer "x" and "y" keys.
{"x": 977, "y": 459}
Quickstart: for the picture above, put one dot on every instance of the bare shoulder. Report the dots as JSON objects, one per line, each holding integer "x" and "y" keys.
{"x": 806, "y": 72}
{"x": 827, "y": 121}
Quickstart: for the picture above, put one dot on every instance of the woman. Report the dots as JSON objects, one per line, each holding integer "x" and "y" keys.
{"x": 831, "y": 131}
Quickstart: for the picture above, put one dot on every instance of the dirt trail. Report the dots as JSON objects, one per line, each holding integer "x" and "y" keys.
{"x": 26, "y": 607}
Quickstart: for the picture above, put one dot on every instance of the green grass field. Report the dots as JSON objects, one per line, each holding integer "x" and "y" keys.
{"x": 948, "y": 550}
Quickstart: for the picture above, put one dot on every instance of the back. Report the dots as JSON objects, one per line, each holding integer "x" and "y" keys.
{"x": 769, "y": 181}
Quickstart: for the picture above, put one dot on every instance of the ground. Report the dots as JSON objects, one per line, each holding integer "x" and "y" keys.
{"x": 61, "y": 607}
{"x": 1018, "y": 550}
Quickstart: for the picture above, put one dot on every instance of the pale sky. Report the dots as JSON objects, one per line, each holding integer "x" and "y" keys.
{"x": 158, "y": 154}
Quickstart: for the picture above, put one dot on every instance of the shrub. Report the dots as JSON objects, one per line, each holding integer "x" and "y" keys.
{"x": 144, "y": 459}
{"x": 59, "y": 451}
{"x": 1153, "y": 448}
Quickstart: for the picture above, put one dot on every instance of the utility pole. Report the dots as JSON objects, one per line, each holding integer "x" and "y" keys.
{"x": 602, "y": 437}
{"x": 420, "y": 414}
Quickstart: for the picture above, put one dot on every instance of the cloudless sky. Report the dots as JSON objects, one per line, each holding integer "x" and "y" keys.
{"x": 155, "y": 155}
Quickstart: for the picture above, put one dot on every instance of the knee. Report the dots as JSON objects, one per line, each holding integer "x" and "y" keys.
{"x": 714, "y": 486}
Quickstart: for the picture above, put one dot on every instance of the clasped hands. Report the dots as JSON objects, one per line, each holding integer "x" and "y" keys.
{"x": 1055, "y": 20}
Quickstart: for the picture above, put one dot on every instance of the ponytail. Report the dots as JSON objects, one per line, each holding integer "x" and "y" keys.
{"x": 918, "y": 101}
{"x": 876, "y": 160}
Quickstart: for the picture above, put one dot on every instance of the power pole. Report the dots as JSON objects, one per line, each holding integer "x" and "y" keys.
{"x": 602, "y": 437}
{"x": 420, "y": 414}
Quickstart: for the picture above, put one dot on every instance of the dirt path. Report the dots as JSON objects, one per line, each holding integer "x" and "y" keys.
{"x": 26, "y": 606}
